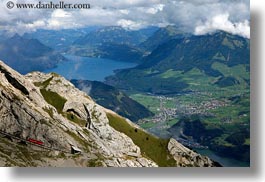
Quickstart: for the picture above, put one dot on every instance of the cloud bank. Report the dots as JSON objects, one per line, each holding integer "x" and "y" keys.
{"x": 194, "y": 16}
{"x": 221, "y": 22}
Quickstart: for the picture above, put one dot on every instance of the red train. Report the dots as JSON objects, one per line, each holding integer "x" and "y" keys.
{"x": 37, "y": 142}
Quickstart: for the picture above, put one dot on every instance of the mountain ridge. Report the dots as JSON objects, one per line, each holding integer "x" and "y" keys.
{"x": 18, "y": 50}
{"x": 112, "y": 42}
{"x": 179, "y": 56}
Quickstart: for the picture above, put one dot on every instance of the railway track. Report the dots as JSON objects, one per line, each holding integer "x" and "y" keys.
{"x": 50, "y": 148}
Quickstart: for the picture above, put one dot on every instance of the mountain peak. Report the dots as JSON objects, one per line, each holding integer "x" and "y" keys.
{"x": 163, "y": 35}
{"x": 15, "y": 38}
{"x": 16, "y": 35}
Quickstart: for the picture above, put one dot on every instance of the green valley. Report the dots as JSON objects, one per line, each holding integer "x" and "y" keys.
{"x": 198, "y": 87}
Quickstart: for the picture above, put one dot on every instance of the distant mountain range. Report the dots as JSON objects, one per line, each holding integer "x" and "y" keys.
{"x": 163, "y": 35}
{"x": 114, "y": 51}
{"x": 116, "y": 35}
{"x": 59, "y": 40}
{"x": 162, "y": 71}
{"x": 26, "y": 55}
{"x": 113, "y": 43}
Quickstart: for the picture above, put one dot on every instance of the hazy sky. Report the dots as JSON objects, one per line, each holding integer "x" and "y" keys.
{"x": 196, "y": 16}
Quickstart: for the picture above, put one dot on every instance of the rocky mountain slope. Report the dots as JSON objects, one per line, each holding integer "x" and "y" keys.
{"x": 49, "y": 109}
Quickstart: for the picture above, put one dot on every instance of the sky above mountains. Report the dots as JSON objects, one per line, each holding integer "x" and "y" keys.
{"x": 194, "y": 16}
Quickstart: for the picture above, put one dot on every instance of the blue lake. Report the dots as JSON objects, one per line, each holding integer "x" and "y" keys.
{"x": 85, "y": 68}
{"x": 224, "y": 161}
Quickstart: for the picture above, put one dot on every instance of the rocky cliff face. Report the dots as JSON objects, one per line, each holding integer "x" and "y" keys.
{"x": 48, "y": 108}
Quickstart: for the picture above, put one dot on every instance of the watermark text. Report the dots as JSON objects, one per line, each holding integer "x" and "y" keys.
{"x": 47, "y": 5}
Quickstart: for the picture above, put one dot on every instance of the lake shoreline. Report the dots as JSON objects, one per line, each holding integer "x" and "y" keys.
{"x": 224, "y": 161}
{"x": 87, "y": 68}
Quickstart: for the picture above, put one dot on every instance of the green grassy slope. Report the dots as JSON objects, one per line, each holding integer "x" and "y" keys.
{"x": 151, "y": 146}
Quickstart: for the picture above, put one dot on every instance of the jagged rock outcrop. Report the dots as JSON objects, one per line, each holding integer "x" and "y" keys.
{"x": 187, "y": 157}
{"x": 48, "y": 108}
{"x": 30, "y": 116}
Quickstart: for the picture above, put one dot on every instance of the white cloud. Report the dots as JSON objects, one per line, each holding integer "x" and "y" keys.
{"x": 35, "y": 25}
{"x": 61, "y": 19}
{"x": 128, "y": 24}
{"x": 222, "y": 22}
{"x": 85, "y": 88}
{"x": 59, "y": 13}
{"x": 192, "y": 15}
{"x": 123, "y": 3}
{"x": 124, "y": 11}
{"x": 155, "y": 9}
